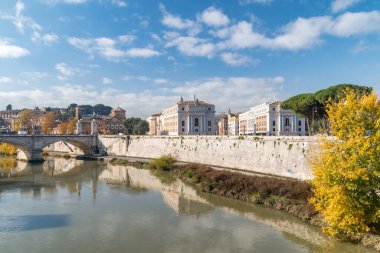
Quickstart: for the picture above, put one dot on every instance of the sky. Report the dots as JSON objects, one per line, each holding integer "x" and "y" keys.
{"x": 143, "y": 55}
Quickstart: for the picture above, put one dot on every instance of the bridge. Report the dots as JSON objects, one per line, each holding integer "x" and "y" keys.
{"x": 30, "y": 147}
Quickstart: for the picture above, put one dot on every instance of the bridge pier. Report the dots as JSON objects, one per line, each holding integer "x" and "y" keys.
{"x": 36, "y": 156}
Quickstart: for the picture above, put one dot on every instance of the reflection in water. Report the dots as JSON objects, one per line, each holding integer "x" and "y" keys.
{"x": 95, "y": 207}
{"x": 32, "y": 222}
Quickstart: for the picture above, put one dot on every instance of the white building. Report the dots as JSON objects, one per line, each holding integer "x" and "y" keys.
{"x": 233, "y": 123}
{"x": 188, "y": 118}
{"x": 271, "y": 119}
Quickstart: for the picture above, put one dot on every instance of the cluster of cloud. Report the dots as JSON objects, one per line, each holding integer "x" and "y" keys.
{"x": 110, "y": 48}
{"x": 222, "y": 37}
{"x": 246, "y": 92}
{"x": 22, "y": 23}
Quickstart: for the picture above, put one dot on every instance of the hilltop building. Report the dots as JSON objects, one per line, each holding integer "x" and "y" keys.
{"x": 188, "y": 118}
{"x": 271, "y": 119}
{"x": 111, "y": 124}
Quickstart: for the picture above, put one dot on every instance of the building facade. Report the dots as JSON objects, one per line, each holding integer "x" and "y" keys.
{"x": 111, "y": 124}
{"x": 271, "y": 120}
{"x": 188, "y": 118}
{"x": 233, "y": 123}
{"x": 154, "y": 124}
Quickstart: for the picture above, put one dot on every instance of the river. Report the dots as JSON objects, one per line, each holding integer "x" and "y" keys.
{"x": 67, "y": 205}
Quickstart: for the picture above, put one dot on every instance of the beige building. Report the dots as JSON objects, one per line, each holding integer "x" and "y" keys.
{"x": 233, "y": 123}
{"x": 154, "y": 124}
{"x": 188, "y": 118}
{"x": 271, "y": 119}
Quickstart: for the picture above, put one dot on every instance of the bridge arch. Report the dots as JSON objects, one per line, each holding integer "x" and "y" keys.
{"x": 30, "y": 147}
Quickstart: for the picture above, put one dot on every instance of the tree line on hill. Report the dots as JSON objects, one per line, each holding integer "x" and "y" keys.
{"x": 312, "y": 106}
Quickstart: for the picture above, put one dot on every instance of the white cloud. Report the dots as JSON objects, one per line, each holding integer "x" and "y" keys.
{"x": 341, "y": 5}
{"x": 175, "y": 21}
{"x": 127, "y": 38}
{"x": 47, "y": 38}
{"x": 235, "y": 59}
{"x": 107, "y": 47}
{"x": 239, "y": 93}
{"x": 34, "y": 75}
{"x": 11, "y": 51}
{"x": 119, "y": 3}
{"x": 66, "y": 72}
{"x": 4, "y": 79}
{"x": 244, "y": 2}
{"x": 22, "y": 22}
{"x": 349, "y": 23}
{"x": 142, "y": 52}
{"x": 214, "y": 17}
{"x": 161, "y": 81}
{"x": 192, "y": 46}
{"x": 302, "y": 33}
{"x": 106, "y": 80}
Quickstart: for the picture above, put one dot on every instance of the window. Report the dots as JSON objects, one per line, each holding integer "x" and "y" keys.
{"x": 209, "y": 123}
{"x": 183, "y": 108}
{"x": 274, "y": 122}
{"x": 209, "y": 108}
{"x": 274, "y": 129}
{"x": 116, "y": 126}
{"x": 183, "y": 123}
{"x": 121, "y": 127}
{"x": 274, "y": 109}
{"x": 111, "y": 126}
{"x": 209, "y": 129}
{"x": 183, "y": 129}
{"x": 287, "y": 122}
{"x": 299, "y": 123}
{"x": 196, "y": 123}
{"x": 196, "y": 130}
{"x": 299, "y": 129}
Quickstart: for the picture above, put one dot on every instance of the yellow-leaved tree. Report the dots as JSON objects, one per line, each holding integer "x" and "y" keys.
{"x": 346, "y": 168}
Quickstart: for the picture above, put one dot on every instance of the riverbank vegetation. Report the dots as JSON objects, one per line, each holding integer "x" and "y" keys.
{"x": 283, "y": 194}
{"x": 346, "y": 168}
{"x": 163, "y": 163}
{"x": 7, "y": 149}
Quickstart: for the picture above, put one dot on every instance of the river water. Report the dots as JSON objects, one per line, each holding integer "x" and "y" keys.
{"x": 66, "y": 205}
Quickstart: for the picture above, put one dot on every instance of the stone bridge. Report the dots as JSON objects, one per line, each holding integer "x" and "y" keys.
{"x": 30, "y": 146}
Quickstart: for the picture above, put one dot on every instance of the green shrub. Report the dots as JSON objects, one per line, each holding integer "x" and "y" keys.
{"x": 165, "y": 163}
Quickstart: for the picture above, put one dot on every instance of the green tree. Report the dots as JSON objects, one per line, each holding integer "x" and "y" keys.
{"x": 102, "y": 109}
{"x": 312, "y": 106}
{"x": 346, "y": 168}
{"x": 136, "y": 126}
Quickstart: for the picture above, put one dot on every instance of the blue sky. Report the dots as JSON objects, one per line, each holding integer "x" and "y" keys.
{"x": 143, "y": 55}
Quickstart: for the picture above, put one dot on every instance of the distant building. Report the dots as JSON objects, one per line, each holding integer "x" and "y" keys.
{"x": 112, "y": 124}
{"x": 154, "y": 124}
{"x": 271, "y": 119}
{"x": 188, "y": 118}
{"x": 8, "y": 119}
{"x": 233, "y": 123}
{"x": 223, "y": 124}
{"x": 9, "y": 107}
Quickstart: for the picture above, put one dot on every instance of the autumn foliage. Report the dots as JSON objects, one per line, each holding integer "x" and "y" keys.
{"x": 346, "y": 167}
